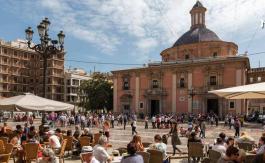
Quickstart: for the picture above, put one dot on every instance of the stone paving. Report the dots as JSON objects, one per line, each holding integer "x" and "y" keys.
{"x": 120, "y": 137}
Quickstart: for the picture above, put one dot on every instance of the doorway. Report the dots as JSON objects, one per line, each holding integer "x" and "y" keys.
{"x": 154, "y": 107}
{"x": 212, "y": 106}
{"x": 126, "y": 109}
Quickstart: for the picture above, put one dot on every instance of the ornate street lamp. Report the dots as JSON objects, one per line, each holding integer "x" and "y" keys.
{"x": 47, "y": 46}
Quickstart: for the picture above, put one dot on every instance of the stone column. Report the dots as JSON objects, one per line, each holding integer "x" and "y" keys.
{"x": 115, "y": 96}
{"x": 189, "y": 87}
{"x": 238, "y": 83}
{"x": 137, "y": 87}
{"x": 174, "y": 92}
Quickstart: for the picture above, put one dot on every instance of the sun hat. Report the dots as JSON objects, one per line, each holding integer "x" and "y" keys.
{"x": 87, "y": 149}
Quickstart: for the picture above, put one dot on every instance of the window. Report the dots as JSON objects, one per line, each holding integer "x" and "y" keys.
{"x": 126, "y": 84}
{"x": 259, "y": 79}
{"x": 68, "y": 82}
{"x": 231, "y": 104}
{"x": 187, "y": 56}
{"x": 141, "y": 105}
{"x": 181, "y": 83}
{"x": 215, "y": 54}
{"x": 155, "y": 84}
{"x": 251, "y": 79}
{"x": 213, "y": 80}
{"x": 5, "y": 51}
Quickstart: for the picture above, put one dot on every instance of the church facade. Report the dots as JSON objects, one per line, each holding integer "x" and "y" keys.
{"x": 199, "y": 61}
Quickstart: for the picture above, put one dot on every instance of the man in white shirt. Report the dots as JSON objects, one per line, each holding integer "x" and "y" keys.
{"x": 219, "y": 146}
{"x": 100, "y": 152}
{"x": 54, "y": 140}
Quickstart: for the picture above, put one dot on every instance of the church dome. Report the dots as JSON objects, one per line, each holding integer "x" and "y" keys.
{"x": 196, "y": 35}
{"x": 198, "y": 31}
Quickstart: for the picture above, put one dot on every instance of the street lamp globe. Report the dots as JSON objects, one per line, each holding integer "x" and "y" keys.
{"x": 61, "y": 37}
{"x": 46, "y": 23}
{"x": 29, "y": 33}
{"x": 41, "y": 29}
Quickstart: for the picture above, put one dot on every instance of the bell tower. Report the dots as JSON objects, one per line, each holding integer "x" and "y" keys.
{"x": 198, "y": 15}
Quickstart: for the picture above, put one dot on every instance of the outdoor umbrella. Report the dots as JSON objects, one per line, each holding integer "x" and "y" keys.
{"x": 30, "y": 102}
{"x": 251, "y": 91}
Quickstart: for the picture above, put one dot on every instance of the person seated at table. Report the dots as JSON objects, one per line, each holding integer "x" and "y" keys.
{"x": 223, "y": 137}
{"x": 88, "y": 133}
{"x": 259, "y": 158}
{"x": 54, "y": 141}
{"x": 3, "y": 131}
{"x": 219, "y": 146}
{"x": 48, "y": 156}
{"x": 58, "y": 133}
{"x": 231, "y": 156}
{"x": 16, "y": 139}
{"x": 138, "y": 143}
{"x": 230, "y": 142}
{"x": 132, "y": 157}
{"x": 244, "y": 137}
{"x": 77, "y": 132}
{"x": 69, "y": 133}
{"x": 261, "y": 146}
{"x": 183, "y": 132}
{"x": 159, "y": 145}
{"x": 86, "y": 155}
{"x": 100, "y": 152}
{"x": 193, "y": 138}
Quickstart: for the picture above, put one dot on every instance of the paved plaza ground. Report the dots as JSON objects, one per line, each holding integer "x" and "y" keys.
{"x": 120, "y": 137}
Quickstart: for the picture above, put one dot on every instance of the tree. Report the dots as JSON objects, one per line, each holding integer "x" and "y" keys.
{"x": 98, "y": 93}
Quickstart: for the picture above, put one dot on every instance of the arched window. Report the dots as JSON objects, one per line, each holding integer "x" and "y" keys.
{"x": 213, "y": 80}
{"x": 126, "y": 85}
{"x": 182, "y": 83}
{"x": 155, "y": 84}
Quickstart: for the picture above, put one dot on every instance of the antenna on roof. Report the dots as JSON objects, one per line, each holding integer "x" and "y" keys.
{"x": 262, "y": 24}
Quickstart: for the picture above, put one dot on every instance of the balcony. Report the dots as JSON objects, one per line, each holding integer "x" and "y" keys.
{"x": 156, "y": 92}
{"x": 213, "y": 87}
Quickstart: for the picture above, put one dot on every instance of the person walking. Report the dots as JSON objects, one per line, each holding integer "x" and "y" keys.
{"x": 146, "y": 122}
{"x": 133, "y": 124}
{"x": 175, "y": 138}
{"x": 125, "y": 119}
{"x": 112, "y": 121}
{"x": 203, "y": 129}
{"x": 237, "y": 127}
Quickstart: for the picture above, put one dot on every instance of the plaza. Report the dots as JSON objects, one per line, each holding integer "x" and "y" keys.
{"x": 120, "y": 137}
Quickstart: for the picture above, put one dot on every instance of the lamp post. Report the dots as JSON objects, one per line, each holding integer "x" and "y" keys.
{"x": 47, "y": 46}
{"x": 192, "y": 93}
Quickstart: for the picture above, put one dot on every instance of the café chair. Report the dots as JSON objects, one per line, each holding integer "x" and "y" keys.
{"x": 31, "y": 152}
{"x": 84, "y": 141}
{"x": 145, "y": 155}
{"x": 4, "y": 158}
{"x": 195, "y": 150}
{"x": 214, "y": 155}
{"x": 156, "y": 156}
{"x": 69, "y": 145}
{"x": 5, "y": 140}
{"x": 62, "y": 151}
{"x": 96, "y": 138}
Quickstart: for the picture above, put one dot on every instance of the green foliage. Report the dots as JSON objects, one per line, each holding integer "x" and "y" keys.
{"x": 98, "y": 93}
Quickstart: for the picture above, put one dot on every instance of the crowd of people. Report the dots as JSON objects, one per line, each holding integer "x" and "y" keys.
{"x": 195, "y": 132}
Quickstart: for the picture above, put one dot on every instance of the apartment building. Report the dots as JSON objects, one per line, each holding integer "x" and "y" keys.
{"x": 73, "y": 80}
{"x": 21, "y": 70}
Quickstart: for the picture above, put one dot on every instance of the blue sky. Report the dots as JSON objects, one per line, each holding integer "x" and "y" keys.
{"x": 132, "y": 31}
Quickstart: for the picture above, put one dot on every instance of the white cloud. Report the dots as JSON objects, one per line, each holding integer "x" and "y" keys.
{"x": 151, "y": 23}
